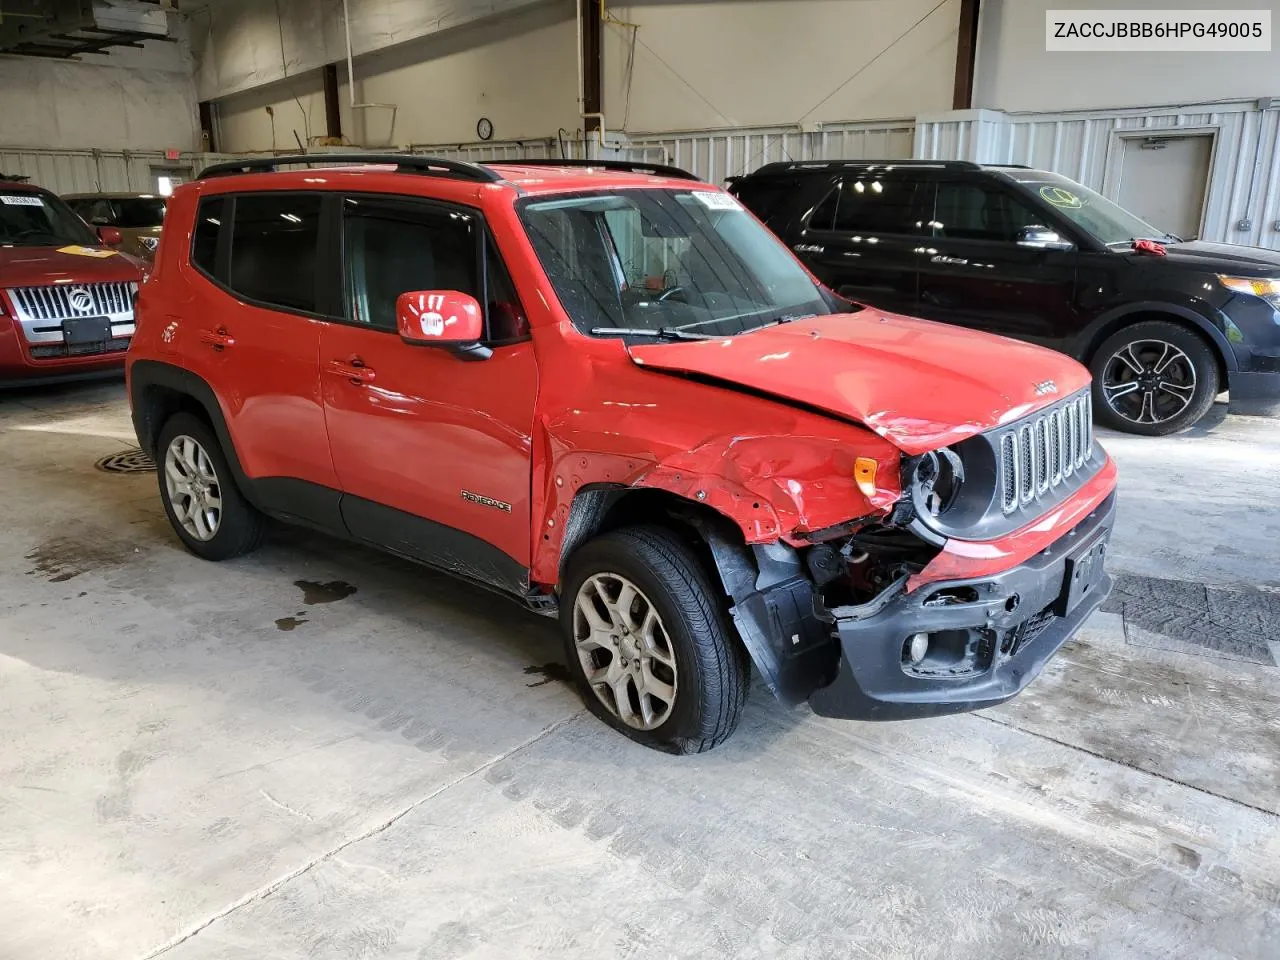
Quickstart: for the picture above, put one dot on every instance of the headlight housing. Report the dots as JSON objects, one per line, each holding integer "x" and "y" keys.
{"x": 1266, "y": 288}
{"x": 937, "y": 478}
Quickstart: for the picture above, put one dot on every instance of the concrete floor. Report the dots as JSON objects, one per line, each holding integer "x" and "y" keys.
{"x": 216, "y": 761}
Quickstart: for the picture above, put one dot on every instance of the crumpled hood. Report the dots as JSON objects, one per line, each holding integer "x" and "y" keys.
{"x": 37, "y": 266}
{"x": 918, "y": 384}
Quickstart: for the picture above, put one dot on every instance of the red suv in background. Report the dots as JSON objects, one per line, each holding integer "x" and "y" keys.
{"x": 66, "y": 297}
{"x": 609, "y": 392}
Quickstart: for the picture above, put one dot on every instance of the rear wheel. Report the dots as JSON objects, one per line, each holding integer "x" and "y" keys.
{"x": 206, "y": 508}
{"x": 1153, "y": 378}
{"x": 648, "y": 641}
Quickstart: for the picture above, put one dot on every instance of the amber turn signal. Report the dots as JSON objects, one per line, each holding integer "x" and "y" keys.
{"x": 864, "y": 473}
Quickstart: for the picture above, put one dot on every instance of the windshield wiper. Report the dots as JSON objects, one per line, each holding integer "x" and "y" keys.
{"x": 661, "y": 333}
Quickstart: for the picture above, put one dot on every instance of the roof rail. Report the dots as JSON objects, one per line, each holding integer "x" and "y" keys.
{"x": 404, "y": 163}
{"x": 627, "y": 166}
{"x": 793, "y": 166}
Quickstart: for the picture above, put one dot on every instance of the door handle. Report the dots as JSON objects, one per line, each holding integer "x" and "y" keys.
{"x": 218, "y": 339}
{"x": 353, "y": 370}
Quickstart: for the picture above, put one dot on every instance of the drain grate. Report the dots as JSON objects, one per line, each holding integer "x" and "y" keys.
{"x": 132, "y": 460}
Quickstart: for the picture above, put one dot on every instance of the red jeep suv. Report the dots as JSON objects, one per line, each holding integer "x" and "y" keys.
{"x": 608, "y": 391}
{"x": 66, "y": 300}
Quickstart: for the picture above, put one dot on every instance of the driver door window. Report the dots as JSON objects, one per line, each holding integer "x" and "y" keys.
{"x": 969, "y": 211}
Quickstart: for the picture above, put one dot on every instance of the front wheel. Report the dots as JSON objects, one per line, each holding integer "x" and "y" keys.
{"x": 647, "y": 638}
{"x": 1153, "y": 378}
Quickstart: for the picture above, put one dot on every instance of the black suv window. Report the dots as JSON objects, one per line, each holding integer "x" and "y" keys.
{"x": 768, "y": 198}
{"x": 972, "y": 211}
{"x": 395, "y": 246}
{"x": 273, "y": 249}
{"x": 871, "y": 205}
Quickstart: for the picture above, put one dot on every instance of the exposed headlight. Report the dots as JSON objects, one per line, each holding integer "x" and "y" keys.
{"x": 936, "y": 480}
{"x": 1268, "y": 289}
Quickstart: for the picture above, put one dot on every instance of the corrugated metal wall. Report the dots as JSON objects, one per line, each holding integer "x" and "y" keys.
{"x": 1244, "y": 180}
{"x": 92, "y": 171}
{"x": 715, "y": 155}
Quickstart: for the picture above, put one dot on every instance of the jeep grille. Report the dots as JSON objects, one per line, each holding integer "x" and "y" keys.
{"x": 1042, "y": 452}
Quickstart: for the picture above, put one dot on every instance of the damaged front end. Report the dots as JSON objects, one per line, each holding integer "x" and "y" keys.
{"x": 903, "y": 615}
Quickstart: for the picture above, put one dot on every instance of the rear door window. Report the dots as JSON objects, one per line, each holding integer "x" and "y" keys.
{"x": 204, "y": 241}
{"x": 871, "y": 205}
{"x": 274, "y": 249}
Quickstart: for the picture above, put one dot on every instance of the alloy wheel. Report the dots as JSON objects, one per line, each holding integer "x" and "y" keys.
{"x": 192, "y": 484}
{"x": 625, "y": 651}
{"x": 1149, "y": 381}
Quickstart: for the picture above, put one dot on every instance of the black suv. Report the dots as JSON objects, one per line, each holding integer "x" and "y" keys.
{"x": 1165, "y": 324}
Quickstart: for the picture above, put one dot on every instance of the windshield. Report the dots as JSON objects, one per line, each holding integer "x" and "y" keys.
{"x": 658, "y": 261}
{"x": 1105, "y": 221}
{"x": 40, "y": 220}
{"x": 138, "y": 212}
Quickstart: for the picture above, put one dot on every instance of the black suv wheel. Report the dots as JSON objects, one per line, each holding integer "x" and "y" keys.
{"x": 1153, "y": 378}
{"x": 646, "y": 637}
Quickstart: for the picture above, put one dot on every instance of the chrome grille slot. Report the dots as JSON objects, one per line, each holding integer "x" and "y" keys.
{"x": 1026, "y": 465}
{"x": 1043, "y": 452}
{"x": 1008, "y": 472}
{"x": 41, "y": 310}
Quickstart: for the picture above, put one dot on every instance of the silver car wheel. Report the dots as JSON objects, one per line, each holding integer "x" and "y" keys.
{"x": 625, "y": 651}
{"x": 193, "y": 488}
{"x": 1149, "y": 381}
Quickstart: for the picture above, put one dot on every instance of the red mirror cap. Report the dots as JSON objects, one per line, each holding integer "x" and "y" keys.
{"x": 110, "y": 236}
{"x": 438, "y": 316}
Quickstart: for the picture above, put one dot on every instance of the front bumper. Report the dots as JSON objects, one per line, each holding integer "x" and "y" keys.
{"x": 993, "y": 634}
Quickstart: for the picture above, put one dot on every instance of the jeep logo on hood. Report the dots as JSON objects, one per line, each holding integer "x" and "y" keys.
{"x": 1045, "y": 386}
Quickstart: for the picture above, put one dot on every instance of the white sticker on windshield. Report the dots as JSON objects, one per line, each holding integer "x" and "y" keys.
{"x": 30, "y": 200}
{"x": 716, "y": 201}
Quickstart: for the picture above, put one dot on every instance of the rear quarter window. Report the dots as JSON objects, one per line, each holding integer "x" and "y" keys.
{"x": 204, "y": 240}
{"x": 769, "y": 198}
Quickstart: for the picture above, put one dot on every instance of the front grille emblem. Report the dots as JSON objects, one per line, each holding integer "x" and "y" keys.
{"x": 81, "y": 300}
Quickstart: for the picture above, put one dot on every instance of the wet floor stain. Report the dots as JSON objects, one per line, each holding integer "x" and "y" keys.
{"x": 549, "y": 672}
{"x": 59, "y": 559}
{"x": 291, "y": 623}
{"x": 314, "y": 592}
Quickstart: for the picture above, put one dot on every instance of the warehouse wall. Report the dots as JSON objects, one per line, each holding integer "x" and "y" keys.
{"x": 242, "y": 44}
{"x": 1015, "y": 73}
{"x": 134, "y": 99}
{"x": 749, "y": 63}
{"x": 518, "y": 71}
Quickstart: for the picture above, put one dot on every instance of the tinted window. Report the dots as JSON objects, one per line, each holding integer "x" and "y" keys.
{"x": 824, "y": 214}
{"x": 273, "y": 249}
{"x": 392, "y": 247}
{"x": 871, "y": 205}
{"x": 767, "y": 197}
{"x": 970, "y": 211}
{"x": 135, "y": 212}
{"x": 204, "y": 243}
{"x": 507, "y": 320}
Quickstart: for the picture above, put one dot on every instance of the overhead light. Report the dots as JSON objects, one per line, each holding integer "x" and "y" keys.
{"x": 292, "y": 217}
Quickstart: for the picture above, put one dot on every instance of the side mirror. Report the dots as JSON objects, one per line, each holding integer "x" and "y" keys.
{"x": 110, "y": 236}
{"x": 1042, "y": 238}
{"x": 442, "y": 318}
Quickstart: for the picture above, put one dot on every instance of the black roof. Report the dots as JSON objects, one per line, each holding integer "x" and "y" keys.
{"x": 834, "y": 166}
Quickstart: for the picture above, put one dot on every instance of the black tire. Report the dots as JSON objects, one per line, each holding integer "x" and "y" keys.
{"x": 1133, "y": 411}
{"x": 240, "y": 527}
{"x": 713, "y": 671}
